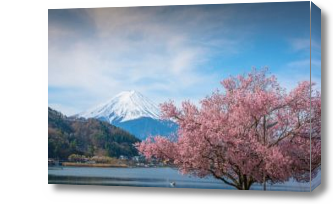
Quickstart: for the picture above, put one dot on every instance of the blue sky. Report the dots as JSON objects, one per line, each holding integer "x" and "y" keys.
{"x": 175, "y": 52}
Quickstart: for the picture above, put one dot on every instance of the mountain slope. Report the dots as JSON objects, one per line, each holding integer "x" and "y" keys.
{"x": 133, "y": 112}
{"x": 87, "y": 137}
{"x": 145, "y": 127}
{"x": 125, "y": 106}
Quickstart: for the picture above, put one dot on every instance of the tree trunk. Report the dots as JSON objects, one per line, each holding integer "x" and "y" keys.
{"x": 244, "y": 186}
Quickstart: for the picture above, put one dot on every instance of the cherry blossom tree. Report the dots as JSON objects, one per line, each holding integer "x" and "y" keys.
{"x": 253, "y": 131}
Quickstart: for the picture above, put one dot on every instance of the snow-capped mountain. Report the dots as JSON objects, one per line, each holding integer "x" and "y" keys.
{"x": 133, "y": 112}
{"x": 125, "y": 106}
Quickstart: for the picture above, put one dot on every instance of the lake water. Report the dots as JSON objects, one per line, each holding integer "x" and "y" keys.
{"x": 150, "y": 177}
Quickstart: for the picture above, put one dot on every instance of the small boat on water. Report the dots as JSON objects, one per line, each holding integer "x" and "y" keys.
{"x": 173, "y": 184}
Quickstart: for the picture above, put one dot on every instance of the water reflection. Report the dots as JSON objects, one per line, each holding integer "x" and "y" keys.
{"x": 150, "y": 177}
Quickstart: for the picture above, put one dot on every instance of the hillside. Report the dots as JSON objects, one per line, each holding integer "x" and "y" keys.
{"x": 88, "y": 137}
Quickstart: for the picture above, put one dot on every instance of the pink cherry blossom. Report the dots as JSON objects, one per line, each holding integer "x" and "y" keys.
{"x": 252, "y": 131}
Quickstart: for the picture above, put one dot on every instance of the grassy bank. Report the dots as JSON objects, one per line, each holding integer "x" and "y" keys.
{"x": 92, "y": 165}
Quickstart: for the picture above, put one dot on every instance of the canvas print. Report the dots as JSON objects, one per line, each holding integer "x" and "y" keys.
{"x": 223, "y": 96}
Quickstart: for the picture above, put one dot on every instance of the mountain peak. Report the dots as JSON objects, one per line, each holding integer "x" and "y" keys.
{"x": 127, "y": 93}
{"x": 127, "y": 105}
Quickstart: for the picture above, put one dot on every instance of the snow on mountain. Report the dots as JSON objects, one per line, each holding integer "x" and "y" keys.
{"x": 133, "y": 112}
{"x": 125, "y": 106}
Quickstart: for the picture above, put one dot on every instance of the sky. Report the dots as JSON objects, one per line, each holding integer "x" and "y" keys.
{"x": 175, "y": 52}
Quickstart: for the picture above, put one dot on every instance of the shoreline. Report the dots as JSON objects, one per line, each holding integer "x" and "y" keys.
{"x": 73, "y": 164}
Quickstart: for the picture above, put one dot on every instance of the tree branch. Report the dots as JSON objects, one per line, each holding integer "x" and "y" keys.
{"x": 224, "y": 180}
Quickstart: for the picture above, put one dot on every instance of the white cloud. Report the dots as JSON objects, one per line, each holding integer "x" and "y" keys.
{"x": 303, "y": 64}
{"x": 315, "y": 45}
{"x": 290, "y": 81}
{"x": 300, "y": 44}
{"x": 316, "y": 63}
{"x": 303, "y": 44}
{"x": 130, "y": 45}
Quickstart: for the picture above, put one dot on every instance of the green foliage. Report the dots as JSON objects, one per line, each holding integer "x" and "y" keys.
{"x": 68, "y": 136}
{"x": 77, "y": 158}
{"x": 103, "y": 159}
